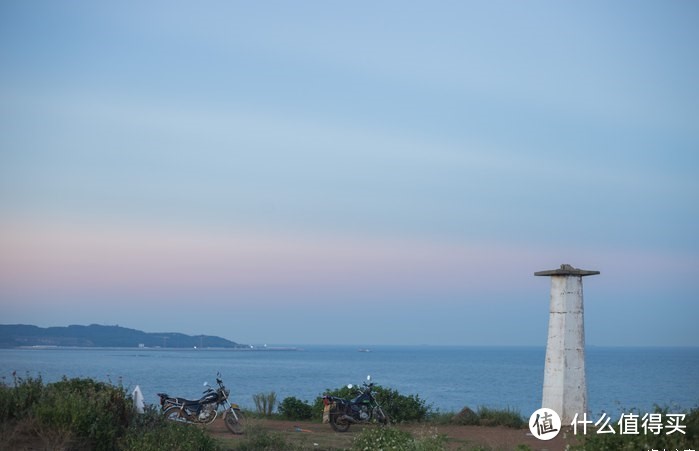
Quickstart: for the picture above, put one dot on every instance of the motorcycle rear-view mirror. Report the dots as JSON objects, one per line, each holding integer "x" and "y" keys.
{"x": 368, "y": 378}
{"x": 349, "y": 386}
{"x": 206, "y": 384}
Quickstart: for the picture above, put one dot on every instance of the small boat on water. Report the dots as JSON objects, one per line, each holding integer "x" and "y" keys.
{"x": 364, "y": 350}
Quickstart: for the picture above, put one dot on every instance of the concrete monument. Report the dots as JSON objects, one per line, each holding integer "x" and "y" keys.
{"x": 565, "y": 389}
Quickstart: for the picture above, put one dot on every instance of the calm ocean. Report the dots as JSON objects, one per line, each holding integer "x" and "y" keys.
{"x": 448, "y": 378}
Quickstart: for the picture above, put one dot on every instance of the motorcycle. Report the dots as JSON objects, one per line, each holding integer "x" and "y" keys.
{"x": 205, "y": 409}
{"x": 341, "y": 413}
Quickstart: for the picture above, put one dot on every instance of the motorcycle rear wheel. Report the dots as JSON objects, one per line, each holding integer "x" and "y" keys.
{"x": 236, "y": 426}
{"x": 338, "y": 424}
{"x": 174, "y": 413}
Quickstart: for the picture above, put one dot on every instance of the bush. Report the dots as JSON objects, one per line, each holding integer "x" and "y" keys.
{"x": 394, "y": 439}
{"x": 86, "y": 414}
{"x": 293, "y": 408}
{"x": 151, "y": 432}
{"x": 95, "y": 412}
{"x": 399, "y": 408}
{"x": 383, "y": 438}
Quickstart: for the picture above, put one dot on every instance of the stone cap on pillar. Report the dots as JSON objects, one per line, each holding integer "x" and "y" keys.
{"x": 566, "y": 270}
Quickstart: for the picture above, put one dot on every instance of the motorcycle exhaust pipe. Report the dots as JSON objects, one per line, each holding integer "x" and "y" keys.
{"x": 349, "y": 419}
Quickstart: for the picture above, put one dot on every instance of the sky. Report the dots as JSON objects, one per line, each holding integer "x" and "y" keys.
{"x": 365, "y": 172}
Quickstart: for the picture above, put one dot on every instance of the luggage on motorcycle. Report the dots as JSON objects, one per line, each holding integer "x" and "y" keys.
{"x": 329, "y": 405}
{"x": 326, "y": 414}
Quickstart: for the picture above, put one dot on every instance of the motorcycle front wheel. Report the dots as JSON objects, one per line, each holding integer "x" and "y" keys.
{"x": 175, "y": 413}
{"x": 338, "y": 424}
{"x": 235, "y": 425}
{"x": 382, "y": 418}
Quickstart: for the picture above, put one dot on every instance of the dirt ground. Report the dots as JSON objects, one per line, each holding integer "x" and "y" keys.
{"x": 318, "y": 436}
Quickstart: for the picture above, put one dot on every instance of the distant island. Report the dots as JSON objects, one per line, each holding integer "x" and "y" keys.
{"x": 97, "y": 336}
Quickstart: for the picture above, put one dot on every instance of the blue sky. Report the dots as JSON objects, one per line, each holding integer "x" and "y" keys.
{"x": 367, "y": 172}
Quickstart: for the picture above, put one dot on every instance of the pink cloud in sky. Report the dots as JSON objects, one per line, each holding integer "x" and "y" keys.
{"x": 59, "y": 260}
{"x": 56, "y": 273}
{"x": 41, "y": 262}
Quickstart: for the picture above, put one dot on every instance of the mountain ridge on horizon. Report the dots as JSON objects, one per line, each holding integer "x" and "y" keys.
{"x": 95, "y": 335}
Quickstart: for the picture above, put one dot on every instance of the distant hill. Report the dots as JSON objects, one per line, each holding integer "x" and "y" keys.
{"x": 16, "y": 335}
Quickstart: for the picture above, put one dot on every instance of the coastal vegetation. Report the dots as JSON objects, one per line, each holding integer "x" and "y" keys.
{"x": 292, "y": 408}
{"x": 82, "y": 414}
{"x": 399, "y": 408}
{"x": 395, "y": 439}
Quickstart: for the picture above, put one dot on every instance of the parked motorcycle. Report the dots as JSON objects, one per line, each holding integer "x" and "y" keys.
{"x": 341, "y": 413}
{"x": 205, "y": 409}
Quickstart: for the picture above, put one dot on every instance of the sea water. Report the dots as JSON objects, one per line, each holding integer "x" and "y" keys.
{"x": 447, "y": 378}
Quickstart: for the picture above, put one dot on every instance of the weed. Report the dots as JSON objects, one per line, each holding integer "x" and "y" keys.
{"x": 265, "y": 403}
{"x": 394, "y": 439}
{"x": 259, "y": 439}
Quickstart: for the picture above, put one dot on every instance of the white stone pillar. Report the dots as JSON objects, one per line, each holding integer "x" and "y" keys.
{"x": 565, "y": 389}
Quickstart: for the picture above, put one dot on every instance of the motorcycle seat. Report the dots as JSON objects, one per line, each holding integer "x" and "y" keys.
{"x": 186, "y": 402}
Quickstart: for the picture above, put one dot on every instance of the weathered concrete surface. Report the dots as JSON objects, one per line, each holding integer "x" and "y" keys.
{"x": 566, "y": 270}
{"x": 565, "y": 388}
